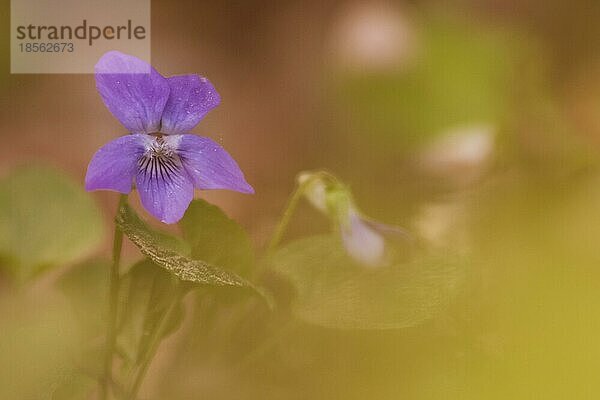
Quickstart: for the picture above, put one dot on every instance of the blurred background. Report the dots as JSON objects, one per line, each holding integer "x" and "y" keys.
{"x": 475, "y": 123}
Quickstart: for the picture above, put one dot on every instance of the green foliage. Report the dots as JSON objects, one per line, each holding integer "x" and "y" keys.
{"x": 86, "y": 287}
{"x": 152, "y": 244}
{"x": 147, "y": 293}
{"x": 217, "y": 239}
{"x": 333, "y": 291}
{"x": 46, "y": 220}
{"x": 459, "y": 77}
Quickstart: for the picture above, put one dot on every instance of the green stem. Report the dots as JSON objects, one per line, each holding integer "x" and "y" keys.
{"x": 286, "y": 217}
{"x": 159, "y": 334}
{"x": 114, "y": 282}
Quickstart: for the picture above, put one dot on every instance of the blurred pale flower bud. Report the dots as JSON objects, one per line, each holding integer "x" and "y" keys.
{"x": 443, "y": 225}
{"x": 461, "y": 154}
{"x": 372, "y": 35}
{"x": 314, "y": 190}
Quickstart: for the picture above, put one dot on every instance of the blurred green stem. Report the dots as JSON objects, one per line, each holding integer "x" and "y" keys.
{"x": 114, "y": 282}
{"x": 286, "y": 217}
{"x": 157, "y": 337}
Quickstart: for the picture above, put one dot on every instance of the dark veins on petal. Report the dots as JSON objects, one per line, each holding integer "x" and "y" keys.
{"x": 160, "y": 160}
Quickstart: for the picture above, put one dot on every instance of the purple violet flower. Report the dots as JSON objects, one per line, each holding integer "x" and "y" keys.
{"x": 165, "y": 162}
{"x": 371, "y": 242}
{"x": 362, "y": 240}
{"x": 367, "y": 241}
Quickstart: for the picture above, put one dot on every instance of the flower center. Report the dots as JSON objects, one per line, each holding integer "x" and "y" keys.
{"x": 159, "y": 160}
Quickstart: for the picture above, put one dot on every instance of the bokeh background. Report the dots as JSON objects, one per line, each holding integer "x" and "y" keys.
{"x": 474, "y": 123}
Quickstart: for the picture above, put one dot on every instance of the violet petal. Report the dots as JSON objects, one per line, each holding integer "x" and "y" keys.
{"x": 165, "y": 194}
{"x": 210, "y": 166}
{"x": 115, "y": 164}
{"x": 133, "y": 91}
{"x": 362, "y": 242}
{"x": 191, "y": 98}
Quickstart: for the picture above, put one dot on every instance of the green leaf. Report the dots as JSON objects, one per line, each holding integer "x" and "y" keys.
{"x": 333, "y": 291}
{"x": 46, "y": 220}
{"x": 146, "y": 294}
{"x": 152, "y": 245}
{"x": 217, "y": 239}
{"x": 86, "y": 287}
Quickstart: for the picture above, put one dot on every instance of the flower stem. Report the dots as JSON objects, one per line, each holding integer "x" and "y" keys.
{"x": 286, "y": 217}
{"x": 114, "y": 282}
{"x": 159, "y": 334}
